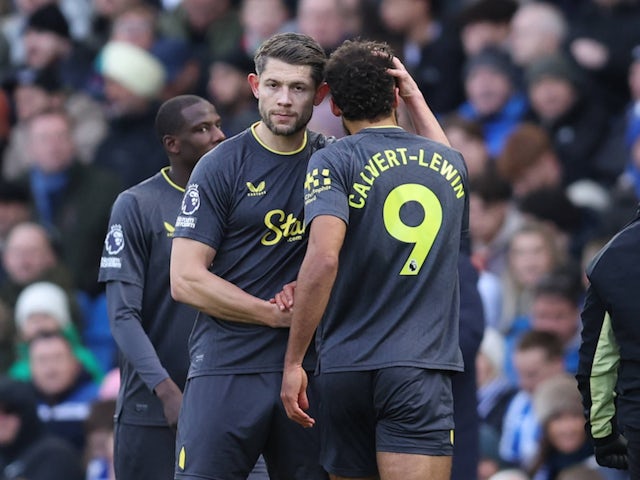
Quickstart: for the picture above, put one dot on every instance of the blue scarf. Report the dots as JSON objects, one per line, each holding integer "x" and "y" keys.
{"x": 47, "y": 189}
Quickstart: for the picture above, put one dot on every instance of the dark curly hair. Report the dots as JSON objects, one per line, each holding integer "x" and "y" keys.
{"x": 357, "y": 76}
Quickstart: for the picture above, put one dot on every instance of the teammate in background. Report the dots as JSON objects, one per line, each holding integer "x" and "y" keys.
{"x": 151, "y": 330}
{"x": 607, "y": 375}
{"x": 391, "y": 309}
{"x": 239, "y": 238}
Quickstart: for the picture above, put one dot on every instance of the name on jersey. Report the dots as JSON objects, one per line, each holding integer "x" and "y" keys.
{"x": 281, "y": 225}
{"x": 383, "y": 161}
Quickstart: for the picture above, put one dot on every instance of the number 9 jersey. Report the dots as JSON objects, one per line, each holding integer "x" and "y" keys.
{"x": 395, "y": 301}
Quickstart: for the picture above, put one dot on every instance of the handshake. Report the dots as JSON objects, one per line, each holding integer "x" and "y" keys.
{"x": 611, "y": 451}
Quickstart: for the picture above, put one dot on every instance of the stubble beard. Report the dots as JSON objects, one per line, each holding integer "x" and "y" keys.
{"x": 286, "y": 130}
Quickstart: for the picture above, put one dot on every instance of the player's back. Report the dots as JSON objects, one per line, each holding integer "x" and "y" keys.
{"x": 395, "y": 301}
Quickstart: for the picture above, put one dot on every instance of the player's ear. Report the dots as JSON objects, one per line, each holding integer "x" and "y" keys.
{"x": 321, "y": 92}
{"x": 334, "y": 108}
{"x": 254, "y": 81}
{"x": 171, "y": 144}
{"x": 396, "y": 97}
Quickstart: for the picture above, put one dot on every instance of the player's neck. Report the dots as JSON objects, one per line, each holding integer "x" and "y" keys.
{"x": 178, "y": 175}
{"x": 354, "y": 126}
{"x": 279, "y": 143}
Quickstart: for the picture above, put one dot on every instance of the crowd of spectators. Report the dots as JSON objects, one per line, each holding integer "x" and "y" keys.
{"x": 541, "y": 97}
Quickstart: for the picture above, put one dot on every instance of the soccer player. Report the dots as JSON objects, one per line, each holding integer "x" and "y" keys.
{"x": 238, "y": 239}
{"x": 150, "y": 328}
{"x": 386, "y": 211}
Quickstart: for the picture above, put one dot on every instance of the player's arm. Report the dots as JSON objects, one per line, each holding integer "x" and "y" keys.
{"x": 598, "y": 367}
{"x": 192, "y": 283}
{"x": 124, "y": 304}
{"x": 423, "y": 118}
{"x": 313, "y": 288}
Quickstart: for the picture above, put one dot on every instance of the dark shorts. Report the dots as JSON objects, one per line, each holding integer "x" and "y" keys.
{"x": 397, "y": 410}
{"x": 227, "y": 421}
{"x": 144, "y": 453}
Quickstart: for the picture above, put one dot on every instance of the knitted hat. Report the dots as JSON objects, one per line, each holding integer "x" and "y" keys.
{"x": 554, "y": 66}
{"x": 133, "y": 67}
{"x": 43, "y": 297}
{"x": 494, "y": 58}
{"x": 49, "y": 18}
{"x": 558, "y": 394}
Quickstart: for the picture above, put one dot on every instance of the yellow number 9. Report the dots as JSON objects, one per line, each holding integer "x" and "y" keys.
{"x": 422, "y": 235}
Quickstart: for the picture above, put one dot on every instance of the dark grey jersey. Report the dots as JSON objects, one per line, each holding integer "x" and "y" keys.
{"x": 244, "y": 200}
{"x": 135, "y": 265}
{"x": 395, "y": 301}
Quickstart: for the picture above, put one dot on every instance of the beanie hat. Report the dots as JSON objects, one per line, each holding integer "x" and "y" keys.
{"x": 43, "y": 297}
{"x": 49, "y": 18}
{"x": 133, "y": 67}
{"x": 554, "y": 66}
{"x": 494, "y": 58}
{"x": 558, "y": 394}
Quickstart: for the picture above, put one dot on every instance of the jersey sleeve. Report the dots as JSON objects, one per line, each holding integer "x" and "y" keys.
{"x": 125, "y": 252}
{"x": 598, "y": 366}
{"x": 124, "y": 304}
{"x": 325, "y": 191}
{"x": 205, "y": 204}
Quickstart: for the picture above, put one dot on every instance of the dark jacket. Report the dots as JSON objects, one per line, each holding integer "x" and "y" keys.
{"x": 610, "y": 350}
{"x": 33, "y": 454}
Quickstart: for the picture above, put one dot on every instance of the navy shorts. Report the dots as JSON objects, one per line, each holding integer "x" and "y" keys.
{"x": 397, "y": 410}
{"x": 227, "y": 421}
{"x": 143, "y": 452}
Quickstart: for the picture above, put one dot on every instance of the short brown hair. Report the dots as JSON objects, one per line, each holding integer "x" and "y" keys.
{"x": 294, "y": 49}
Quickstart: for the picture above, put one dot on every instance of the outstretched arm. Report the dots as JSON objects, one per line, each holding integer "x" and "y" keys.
{"x": 423, "y": 118}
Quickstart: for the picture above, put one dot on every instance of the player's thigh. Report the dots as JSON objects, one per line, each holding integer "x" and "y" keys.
{"x": 414, "y": 432}
{"x": 143, "y": 453}
{"x": 347, "y": 424}
{"x": 407, "y": 466}
{"x": 223, "y": 426}
{"x": 292, "y": 452}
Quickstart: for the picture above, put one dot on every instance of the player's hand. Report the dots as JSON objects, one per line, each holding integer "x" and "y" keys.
{"x": 284, "y": 298}
{"x": 407, "y": 86}
{"x": 279, "y": 318}
{"x": 612, "y": 452}
{"x": 171, "y": 397}
{"x": 294, "y": 395}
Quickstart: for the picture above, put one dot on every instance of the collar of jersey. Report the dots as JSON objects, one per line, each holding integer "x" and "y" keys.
{"x": 253, "y": 132}
{"x": 165, "y": 174}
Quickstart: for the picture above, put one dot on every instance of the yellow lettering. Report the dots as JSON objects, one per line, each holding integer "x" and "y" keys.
{"x": 361, "y": 189}
{"x": 421, "y": 161}
{"x": 435, "y": 161}
{"x": 366, "y": 179}
{"x": 392, "y": 158}
{"x": 352, "y": 202}
{"x": 370, "y": 167}
{"x": 280, "y": 226}
{"x": 448, "y": 171}
{"x": 381, "y": 166}
{"x": 459, "y": 189}
{"x": 267, "y": 239}
{"x": 403, "y": 154}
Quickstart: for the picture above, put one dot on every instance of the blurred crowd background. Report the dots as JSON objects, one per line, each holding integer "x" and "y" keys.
{"x": 542, "y": 99}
